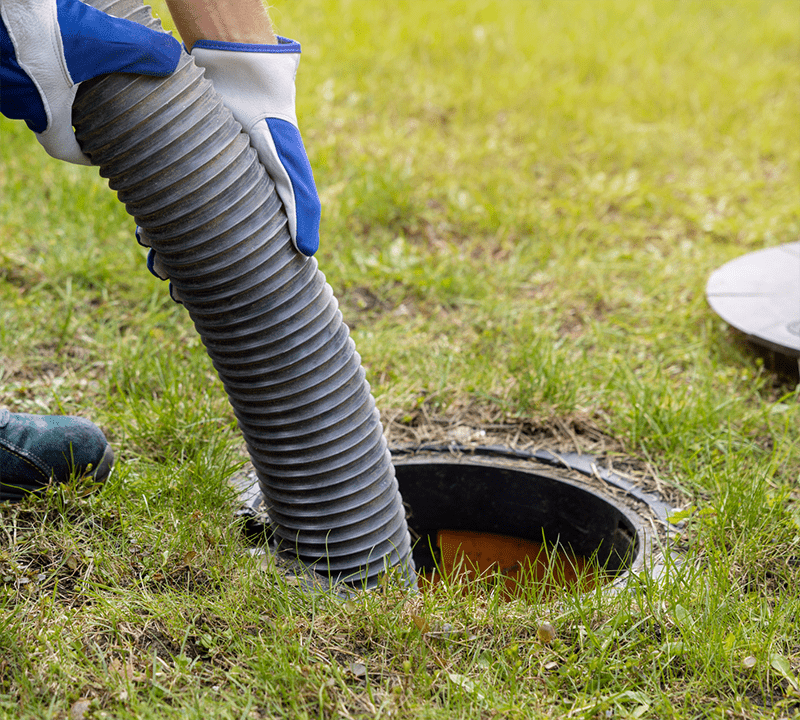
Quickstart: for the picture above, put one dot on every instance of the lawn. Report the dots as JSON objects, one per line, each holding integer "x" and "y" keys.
{"x": 522, "y": 203}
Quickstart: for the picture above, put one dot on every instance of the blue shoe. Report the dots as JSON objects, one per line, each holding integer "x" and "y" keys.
{"x": 36, "y": 450}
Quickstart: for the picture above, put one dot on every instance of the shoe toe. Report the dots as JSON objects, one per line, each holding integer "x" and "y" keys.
{"x": 38, "y": 449}
{"x": 73, "y": 446}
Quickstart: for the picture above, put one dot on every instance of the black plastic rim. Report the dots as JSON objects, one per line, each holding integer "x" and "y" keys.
{"x": 498, "y": 492}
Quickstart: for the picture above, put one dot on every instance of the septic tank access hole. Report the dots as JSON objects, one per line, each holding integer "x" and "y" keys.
{"x": 484, "y": 508}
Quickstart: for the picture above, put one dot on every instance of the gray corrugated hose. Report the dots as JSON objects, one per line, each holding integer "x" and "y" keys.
{"x": 268, "y": 319}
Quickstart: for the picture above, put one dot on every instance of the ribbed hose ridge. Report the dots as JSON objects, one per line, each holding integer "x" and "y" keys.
{"x": 270, "y": 322}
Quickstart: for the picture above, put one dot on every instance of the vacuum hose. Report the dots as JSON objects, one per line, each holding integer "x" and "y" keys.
{"x": 268, "y": 319}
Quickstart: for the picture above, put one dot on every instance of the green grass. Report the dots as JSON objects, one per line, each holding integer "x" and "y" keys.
{"x": 522, "y": 202}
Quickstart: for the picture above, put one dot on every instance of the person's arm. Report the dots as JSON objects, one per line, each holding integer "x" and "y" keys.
{"x": 240, "y": 21}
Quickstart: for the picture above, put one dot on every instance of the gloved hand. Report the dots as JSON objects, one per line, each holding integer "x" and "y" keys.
{"x": 256, "y": 83}
{"x": 48, "y": 47}
{"x": 154, "y": 264}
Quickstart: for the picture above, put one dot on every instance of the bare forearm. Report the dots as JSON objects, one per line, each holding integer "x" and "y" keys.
{"x": 244, "y": 21}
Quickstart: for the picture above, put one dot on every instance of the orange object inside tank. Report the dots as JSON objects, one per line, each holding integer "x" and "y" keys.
{"x": 468, "y": 555}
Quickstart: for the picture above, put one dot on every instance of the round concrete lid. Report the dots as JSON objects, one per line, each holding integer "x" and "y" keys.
{"x": 759, "y": 295}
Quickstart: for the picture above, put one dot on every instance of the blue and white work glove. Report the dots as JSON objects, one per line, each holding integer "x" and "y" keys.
{"x": 154, "y": 264}
{"x": 48, "y": 47}
{"x": 256, "y": 83}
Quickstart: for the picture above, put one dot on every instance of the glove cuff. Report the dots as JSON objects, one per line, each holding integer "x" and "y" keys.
{"x": 285, "y": 45}
{"x": 254, "y": 85}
